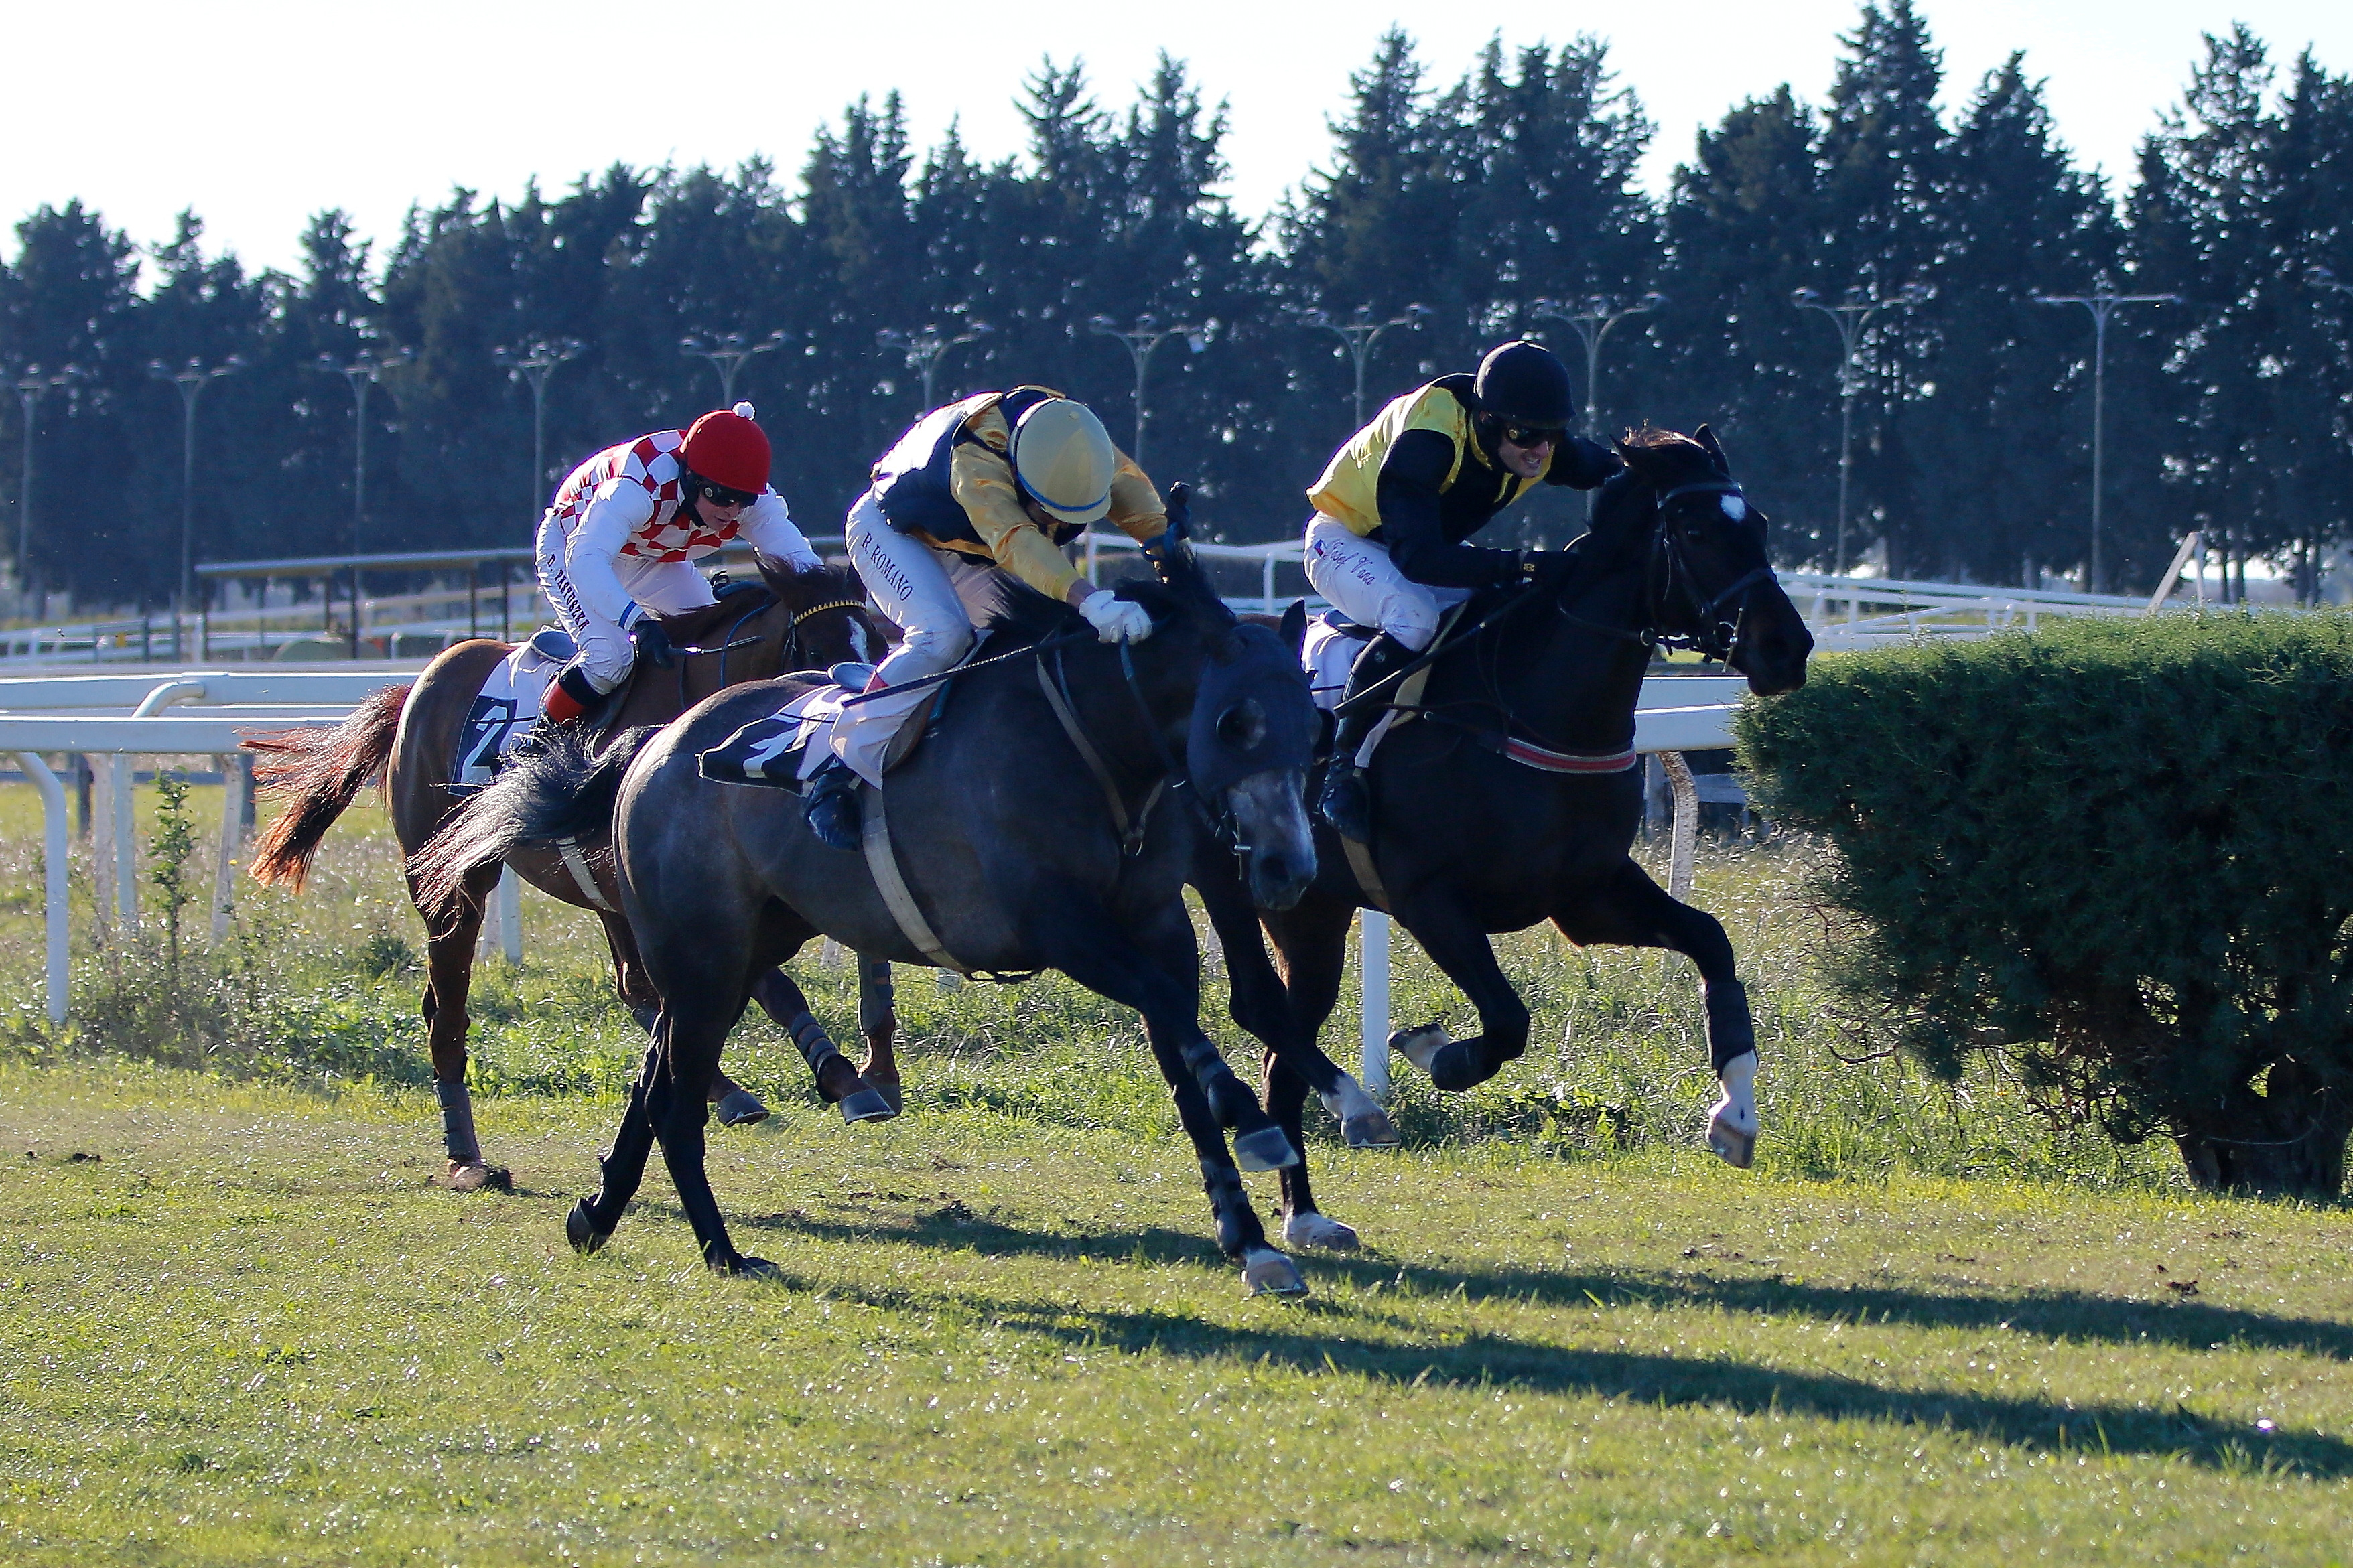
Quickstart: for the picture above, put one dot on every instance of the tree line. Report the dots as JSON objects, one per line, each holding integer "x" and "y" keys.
{"x": 1494, "y": 204}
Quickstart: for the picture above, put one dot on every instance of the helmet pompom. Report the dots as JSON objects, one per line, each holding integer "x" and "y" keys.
{"x": 745, "y": 411}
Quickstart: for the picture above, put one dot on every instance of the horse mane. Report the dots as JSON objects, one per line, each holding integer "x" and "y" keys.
{"x": 796, "y": 588}
{"x": 1017, "y": 615}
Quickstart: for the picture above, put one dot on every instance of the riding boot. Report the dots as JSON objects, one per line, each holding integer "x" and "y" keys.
{"x": 1346, "y": 802}
{"x": 829, "y": 805}
{"x": 567, "y": 697}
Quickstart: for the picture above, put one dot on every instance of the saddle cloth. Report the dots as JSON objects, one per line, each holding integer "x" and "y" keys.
{"x": 784, "y": 749}
{"x": 508, "y": 706}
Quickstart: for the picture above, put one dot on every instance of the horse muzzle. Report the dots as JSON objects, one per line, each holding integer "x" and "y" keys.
{"x": 1273, "y": 836}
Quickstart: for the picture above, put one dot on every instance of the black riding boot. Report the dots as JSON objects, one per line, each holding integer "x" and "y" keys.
{"x": 829, "y": 805}
{"x": 1346, "y": 802}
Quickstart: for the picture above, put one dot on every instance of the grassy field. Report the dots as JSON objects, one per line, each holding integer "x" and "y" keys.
{"x": 237, "y": 1324}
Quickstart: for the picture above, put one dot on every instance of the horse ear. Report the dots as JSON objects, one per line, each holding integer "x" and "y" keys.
{"x": 1714, "y": 449}
{"x": 1293, "y": 629}
{"x": 1180, "y": 510}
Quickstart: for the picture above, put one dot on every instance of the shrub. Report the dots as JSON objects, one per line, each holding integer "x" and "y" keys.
{"x": 2120, "y": 854}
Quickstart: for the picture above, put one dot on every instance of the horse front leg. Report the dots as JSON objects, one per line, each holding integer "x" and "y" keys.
{"x": 1627, "y": 908}
{"x": 450, "y": 974}
{"x": 1459, "y": 947}
{"x": 837, "y": 1080}
{"x": 877, "y": 1021}
{"x": 1313, "y": 941}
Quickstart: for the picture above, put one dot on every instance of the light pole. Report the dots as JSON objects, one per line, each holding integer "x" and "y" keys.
{"x": 534, "y": 364}
{"x": 1140, "y": 340}
{"x": 2102, "y": 305}
{"x": 727, "y": 351}
{"x": 1850, "y": 316}
{"x": 1593, "y": 320}
{"x": 362, "y": 370}
{"x": 924, "y": 348}
{"x": 191, "y": 378}
{"x": 1360, "y": 331}
{"x": 29, "y": 387}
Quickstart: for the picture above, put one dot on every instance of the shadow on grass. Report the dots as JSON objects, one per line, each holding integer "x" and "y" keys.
{"x": 1490, "y": 1360}
{"x": 2058, "y": 1314}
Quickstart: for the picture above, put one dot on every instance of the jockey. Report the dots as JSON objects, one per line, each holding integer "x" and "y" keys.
{"x": 996, "y": 481}
{"x": 615, "y": 547}
{"x": 1396, "y": 503}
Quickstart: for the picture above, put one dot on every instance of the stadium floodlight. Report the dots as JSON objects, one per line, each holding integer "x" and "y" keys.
{"x": 1140, "y": 339}
{"x": 1593, "y": 320}
{"x": 1360, "y": 331}
{"x": 536, "y": 362}
{"x": 923, "y": 347}
{"x": 2102, "y": 303}
{"x": 727, "y": 351}
{"x": 363, "y": 371}
{"x": 1850, "y": 316}
{"x": 30, "y": 385}
{"x": 191, "y": 378}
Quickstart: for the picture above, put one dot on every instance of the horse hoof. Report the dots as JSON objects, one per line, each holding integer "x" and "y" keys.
{"x": 1266, "y": 1273}
{"x": 740, "y": 1108}
{"x": 1734, "y": 1147}
{"x": 867, "y": 1105}
{"x": 478, "y": 1178}
{"x": 580, "y": 1229}
{"x": 893, "y": 1095}
{"x": 1461, "y": 1065}
{"x": 1308, "y": 1228}
{"x": 742, "y": 1267}
{"x": 1419, "y": 1044}
{"x": 1373, "y": 1130}
{"x": 1264, "y": 1150}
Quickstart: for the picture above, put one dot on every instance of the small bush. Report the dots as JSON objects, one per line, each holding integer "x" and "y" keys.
{"x": 2118, "y": 854}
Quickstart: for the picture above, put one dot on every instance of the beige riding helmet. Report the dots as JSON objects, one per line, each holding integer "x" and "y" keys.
{"x": 1064, "y": 459}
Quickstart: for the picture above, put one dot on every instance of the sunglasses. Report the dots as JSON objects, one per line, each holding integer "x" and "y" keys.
{"x": 720, "y": 495}
{"x": 1530, "y": 436}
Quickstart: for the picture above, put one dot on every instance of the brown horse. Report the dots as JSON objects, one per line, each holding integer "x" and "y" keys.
{"x": 410, "y": 735}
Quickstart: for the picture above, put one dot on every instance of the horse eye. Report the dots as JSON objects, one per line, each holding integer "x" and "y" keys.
{"x": 1243, "y": 725}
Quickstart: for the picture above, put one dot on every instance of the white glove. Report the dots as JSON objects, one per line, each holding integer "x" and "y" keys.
{"x": 1115, "y": 619}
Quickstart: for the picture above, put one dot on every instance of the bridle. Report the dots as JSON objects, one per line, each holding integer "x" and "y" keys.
{"x": 1716, "y": 634}
{"x": 789, "y": 650}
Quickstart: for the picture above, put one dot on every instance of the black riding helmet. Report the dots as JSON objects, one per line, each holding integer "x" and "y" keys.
{"x": 1525, "y": 384}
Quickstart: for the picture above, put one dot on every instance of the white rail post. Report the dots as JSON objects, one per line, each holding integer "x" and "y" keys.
{"x": 1686, "y": 836}
{"x": 237, "y": 826}
{"x": 125, "y": 869}
{"x": 101, "y": 844}
{"x": 1373, "y": 987}
{"x": 509, "y": 897}
{"x": 56, "y": 831}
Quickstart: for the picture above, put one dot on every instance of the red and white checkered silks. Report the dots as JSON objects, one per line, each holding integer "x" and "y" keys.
{"x": 650, "y": 462}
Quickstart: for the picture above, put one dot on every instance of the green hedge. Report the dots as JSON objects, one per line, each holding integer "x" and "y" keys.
{"x": 2120, "y": 852}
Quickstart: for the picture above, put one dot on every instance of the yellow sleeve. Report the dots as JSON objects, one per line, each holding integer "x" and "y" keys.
{"x": 1136, "y": 508}
{"x": 981, "y": 480}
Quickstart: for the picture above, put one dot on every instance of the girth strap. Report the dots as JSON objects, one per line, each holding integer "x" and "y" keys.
{"x": 582, "y": 877}
{"x": 1368, "y": 876}
{"x": 882, "y": 864}
{"x": 1131, "y": 832}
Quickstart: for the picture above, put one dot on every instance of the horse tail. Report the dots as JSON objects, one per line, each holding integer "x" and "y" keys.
{"x": 320, "y": 772}
{"x": 561, "y": 788}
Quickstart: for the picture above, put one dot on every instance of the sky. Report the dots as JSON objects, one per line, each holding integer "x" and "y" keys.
{"x": 258, "y": 115}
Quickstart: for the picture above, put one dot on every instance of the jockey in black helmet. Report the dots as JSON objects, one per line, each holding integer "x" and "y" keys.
{"x": 1396, "y": 503}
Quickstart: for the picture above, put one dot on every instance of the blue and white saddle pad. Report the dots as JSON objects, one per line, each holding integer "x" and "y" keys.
{"x": 784, "y": 748}
{"x": 508, "y": 706}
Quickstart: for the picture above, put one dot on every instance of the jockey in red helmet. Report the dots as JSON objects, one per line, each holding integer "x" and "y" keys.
{"x": 616, "y": 547}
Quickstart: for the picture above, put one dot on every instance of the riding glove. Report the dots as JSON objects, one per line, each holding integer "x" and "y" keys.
{"x": 653, "y": 643}
{"x": 1115, "y": 619}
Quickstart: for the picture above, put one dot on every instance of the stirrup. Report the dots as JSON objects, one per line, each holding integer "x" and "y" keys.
{"x": 829, "y": 806}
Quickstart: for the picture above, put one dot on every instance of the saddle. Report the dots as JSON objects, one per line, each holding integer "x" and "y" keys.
{"x": 775, "y": 751}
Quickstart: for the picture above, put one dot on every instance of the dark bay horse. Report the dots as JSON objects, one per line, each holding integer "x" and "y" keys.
{"x": 1006, "y": 834}
{"x": 410, "y": 735}
{"x": 1469, "y": 842}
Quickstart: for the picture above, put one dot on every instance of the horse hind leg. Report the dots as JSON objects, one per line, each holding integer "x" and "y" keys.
{"x": 734, "y": 1105}
{"x": 1464, "y": 953}
{"x": 837, "y": 1080}
{"x": 450, "y": 971}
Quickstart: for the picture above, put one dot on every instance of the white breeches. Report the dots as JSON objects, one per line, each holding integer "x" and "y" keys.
{"x": 914, "y": 584}
{"x": 1363, "y": 584}
{"x": 660, "y": 588}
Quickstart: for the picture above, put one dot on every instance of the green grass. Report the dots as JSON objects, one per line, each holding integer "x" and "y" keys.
{"x": 249, "y": 1330}
{"x": 1930, "y": 1327}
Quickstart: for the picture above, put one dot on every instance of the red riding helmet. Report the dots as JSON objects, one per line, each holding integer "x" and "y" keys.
{"x": 726, "y": 448}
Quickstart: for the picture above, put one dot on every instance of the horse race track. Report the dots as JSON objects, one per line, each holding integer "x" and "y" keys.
{"x": 237, "y": 1326}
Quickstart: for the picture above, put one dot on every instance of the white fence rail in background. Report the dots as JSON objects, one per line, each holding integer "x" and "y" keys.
{"x": 116, "y": 717}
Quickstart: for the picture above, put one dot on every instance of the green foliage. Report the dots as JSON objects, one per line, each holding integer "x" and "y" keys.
{"x": 2113, "y": 852}
{"x": 175, "y": 842}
